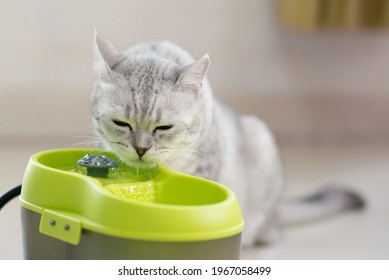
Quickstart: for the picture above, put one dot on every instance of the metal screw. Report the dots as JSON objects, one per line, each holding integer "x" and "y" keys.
{"x": 52, "y": 222}
{"x": 66, "y": 227}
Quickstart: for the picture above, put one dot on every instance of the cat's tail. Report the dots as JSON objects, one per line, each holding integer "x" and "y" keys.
{"x": 329, "y": 200}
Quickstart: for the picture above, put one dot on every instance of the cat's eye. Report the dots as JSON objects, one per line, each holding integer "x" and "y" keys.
{"x": 122, "y": 124}
{"x": 163, "y": 127}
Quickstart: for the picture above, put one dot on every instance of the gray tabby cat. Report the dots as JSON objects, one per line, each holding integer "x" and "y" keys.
{"x": 152, "y": 103}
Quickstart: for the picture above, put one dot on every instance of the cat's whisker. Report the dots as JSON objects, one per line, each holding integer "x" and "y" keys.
{"x": 191, "y": 155}
{"x": 91, "y": 141}
{"x": 187, "y": 155}
{"x": 166, "y": 163}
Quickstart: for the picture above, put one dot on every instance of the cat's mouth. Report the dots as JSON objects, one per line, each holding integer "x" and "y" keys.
{"x": 131, "y": 159}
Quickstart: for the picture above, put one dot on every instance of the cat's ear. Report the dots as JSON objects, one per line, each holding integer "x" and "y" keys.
{"x": 106, "y": 56}
{"x": 193, "y": 75}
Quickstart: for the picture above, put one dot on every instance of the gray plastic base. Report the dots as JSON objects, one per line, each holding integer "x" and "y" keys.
{"x": 98, "y": 246}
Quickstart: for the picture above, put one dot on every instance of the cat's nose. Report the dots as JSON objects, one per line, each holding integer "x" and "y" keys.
{"x": 140, "y": 151}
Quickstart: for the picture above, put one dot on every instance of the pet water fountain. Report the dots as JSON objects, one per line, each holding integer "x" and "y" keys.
{"x": 82, "y": 204}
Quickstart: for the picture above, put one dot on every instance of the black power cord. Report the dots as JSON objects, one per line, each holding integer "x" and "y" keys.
{"x": 8, "y": 196}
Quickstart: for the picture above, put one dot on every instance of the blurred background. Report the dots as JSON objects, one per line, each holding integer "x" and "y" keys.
{"x": 315, "y": 70}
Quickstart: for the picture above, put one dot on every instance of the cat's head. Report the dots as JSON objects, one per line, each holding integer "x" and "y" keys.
{"x": 147, "y": 109}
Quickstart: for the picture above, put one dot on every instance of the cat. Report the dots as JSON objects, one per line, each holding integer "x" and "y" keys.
{"x": 152, "y": 103}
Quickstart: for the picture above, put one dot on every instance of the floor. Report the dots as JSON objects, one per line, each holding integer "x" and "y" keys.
{"x": 361, "y": 235}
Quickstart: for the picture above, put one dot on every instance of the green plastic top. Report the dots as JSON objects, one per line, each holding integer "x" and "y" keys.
{"x": 181, "y": 208}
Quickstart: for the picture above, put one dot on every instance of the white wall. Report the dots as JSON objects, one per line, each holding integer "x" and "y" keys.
{"x": 45, "y": 50}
